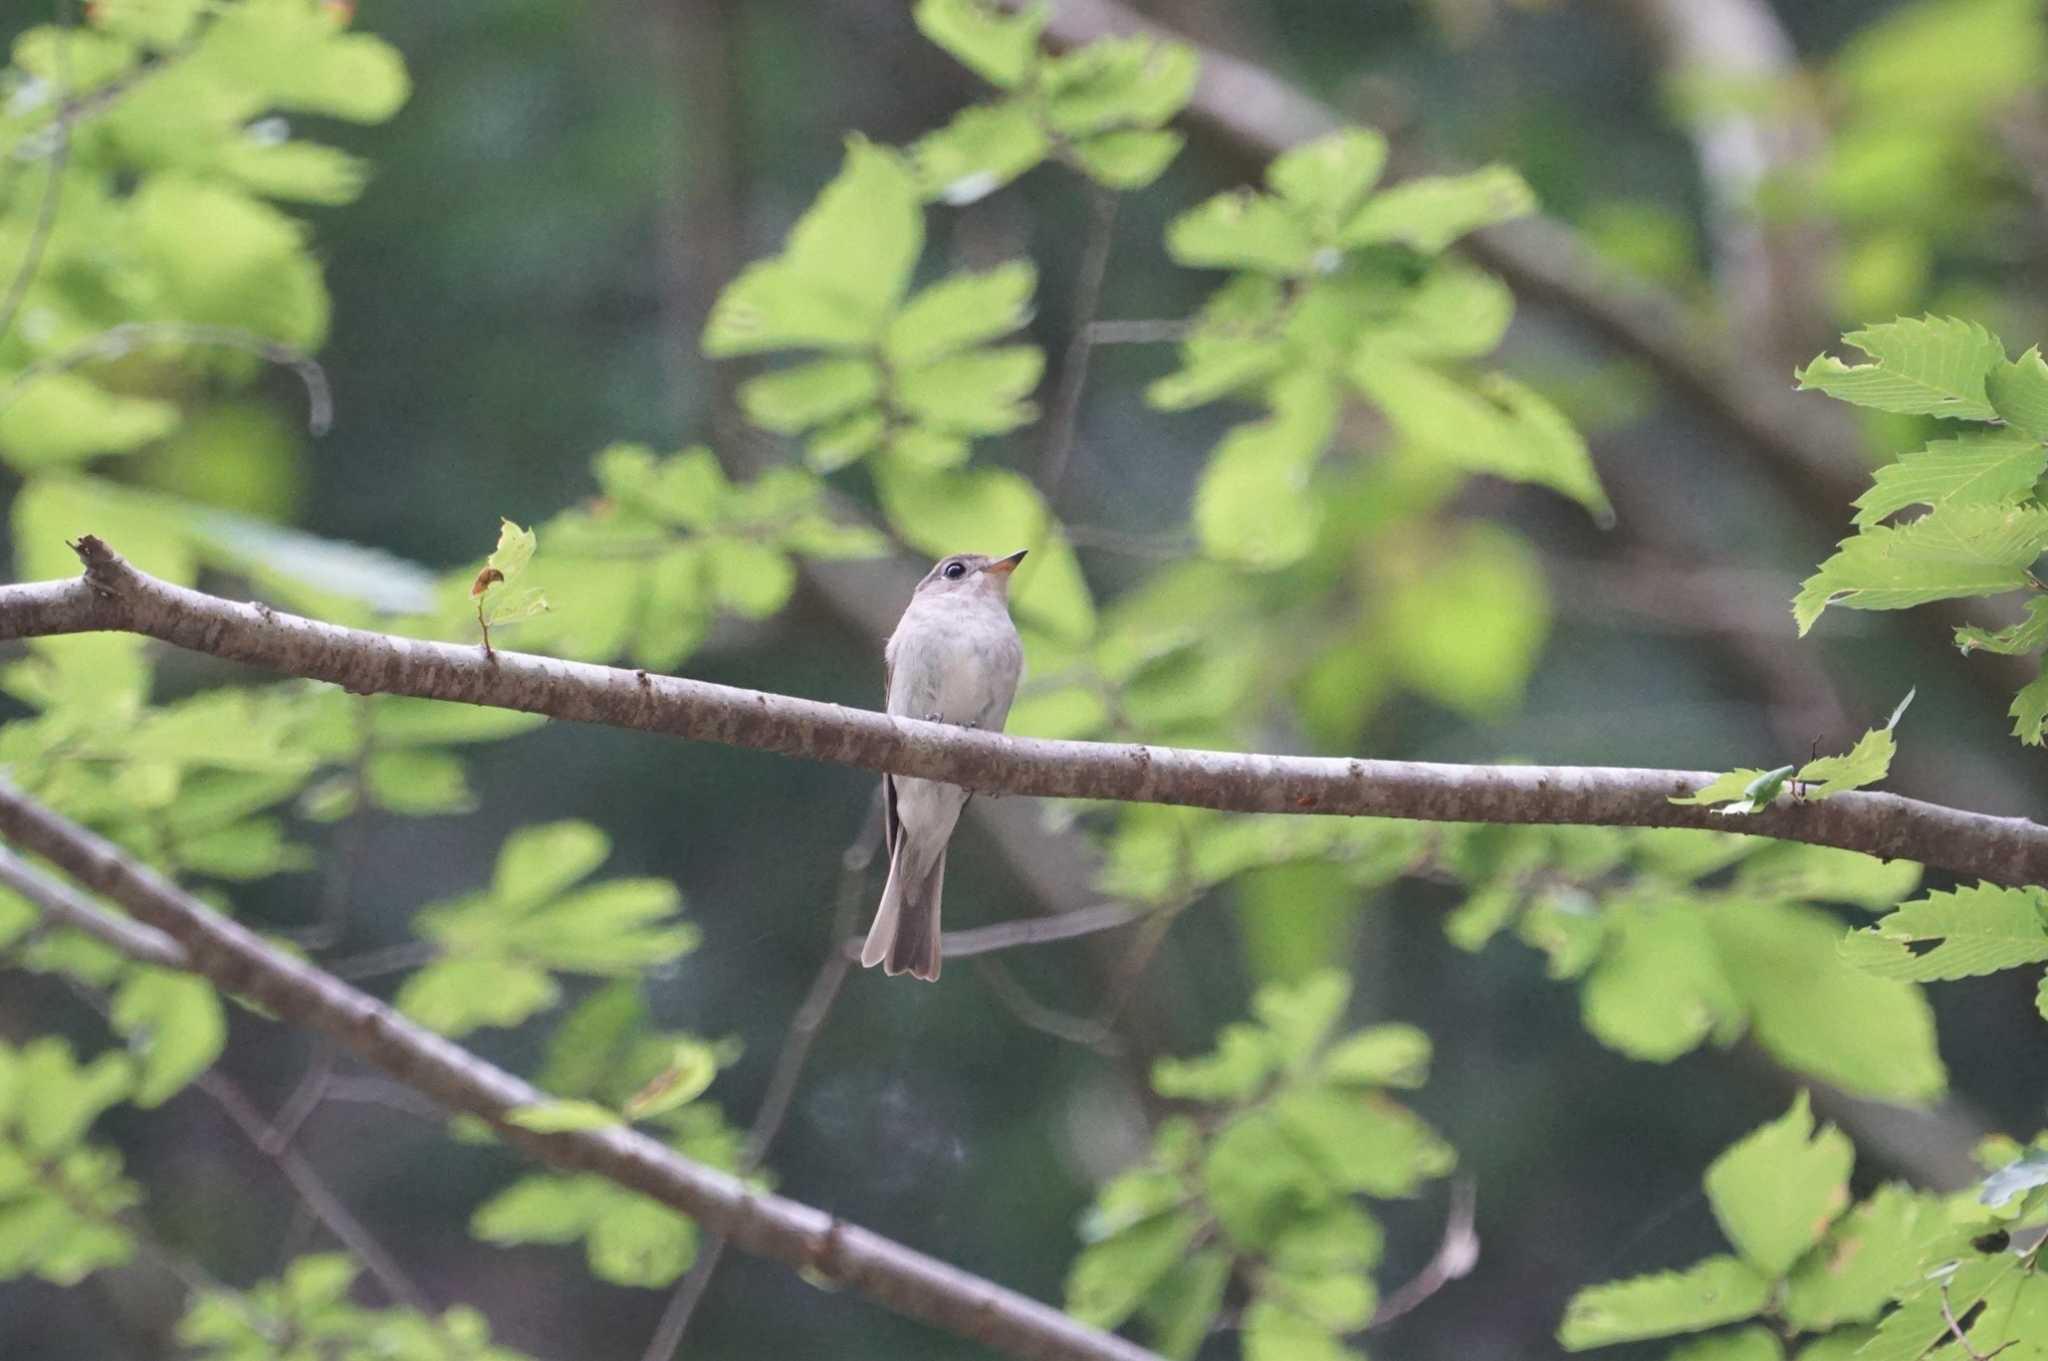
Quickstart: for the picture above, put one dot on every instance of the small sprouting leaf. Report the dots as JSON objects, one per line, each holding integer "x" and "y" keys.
{"x": 1869, "y": 761}
{"x": 1934, "y": 366}
{"x": 561, "y": 1117}
{"x": 1747, "y": 790}
{"x": 515, "y": 549}
{"x": 1977, "y": 929}
{"x": 514, "y": 608}
{"x": 1776, "y": 1190}
{"x": 2030, "y": 710}
{"x": 1715, "y": 1291}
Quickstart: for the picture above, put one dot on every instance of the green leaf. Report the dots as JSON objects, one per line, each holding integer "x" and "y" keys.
{"x": 985, "y": 147}
{"x": 399, "y": 721}
{"x": 1817, "y": 1014}
{"x": 1507, "y": 430}
{"x": 1253, "y": 504}
{"x": 2029, "y": 635}
{"x": 56, "y": 1097}
{"x": 1453, "y": 312}
{"x": 1242, "y": 230}
{"x": 795, "y": 399}
{"x": 1776, "y": 1190}
{"x": 1429, "y": 213}
{"x": 1788, "y": 869}
{"x": 537, "y": 1209}
{"x": 976, "y": 392}
{"x": 1363, "y": 1141}
{"x": 536, "y": 863}
{"x": 561, "y": 1117}
{"x": 175, "y": 1026}
{"x": 1869, "y": 761}
{"x": 1659, "y": 989}
{"x": 1110, "y": 1278}
{"x": 1258, "y": 1178}
{"x": 515, "y": 549}
{"x": 1977, "y": 929}
{"x": 1867, "y": 1258}
{"x": 417, "y": 783}
{"x": 1128, "y": 159}
{"x": 842, "y": 271}
{"x": 1756, "y": 1343}
{"x": 1746, "y": 790}
{"x": 1299, "y": 1016}
{"x": 843, "y": 443}
{"x": 1382, "y": 1056}
{"x": 1275, "y": 1332}
{"x": 1116, "y": 83}
{"x": 1466, "y": 628}
{"x": 64, "y": 417}
{"x": 688, "y": 1075}
{"x": 1328, "y": 176}
{"x": 2029, "y": 710}
{"x": 1716, "y": 1291}
{"x": 1185, "y": 1302}
{"x": 641, "y": 1242}
{"x": 2019, "y": 393}
{"x": 1238, "y": 1068}
{"x": 1933, "y": 366}
{"x": 1000, "y": 48}
{"x": 1988, "y": 467}
{"x": 254, "y": 273}
{"x": 959, "y": 312}
{"x": 750, "y": 578}
{"x": 1958, "y": 551}
{"x": 456, "y": 996}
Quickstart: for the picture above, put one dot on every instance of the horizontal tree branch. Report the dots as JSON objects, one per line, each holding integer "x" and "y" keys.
{"x": 115, "y": 596}
{"x": 239, "y": 962}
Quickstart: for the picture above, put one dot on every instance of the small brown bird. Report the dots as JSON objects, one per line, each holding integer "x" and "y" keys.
{"x": 954, "y": 658}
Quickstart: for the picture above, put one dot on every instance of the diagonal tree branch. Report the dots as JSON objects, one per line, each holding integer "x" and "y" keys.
{"x": 239, "y": 962}
{"x": 115, "y": 596}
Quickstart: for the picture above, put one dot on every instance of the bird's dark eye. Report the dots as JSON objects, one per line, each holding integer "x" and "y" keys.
{"x": 954, "y": 571}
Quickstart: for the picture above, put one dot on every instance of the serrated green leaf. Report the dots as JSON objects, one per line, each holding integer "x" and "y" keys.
{"x": 842, "y": 271}
{"x": 1000, "y": 48}
{"x": 796, "y": 399}
{"x": 1715, "y": 1291}
{"x": 561, "y": 1117}
{"x": 1776, "y": 1190}
{"x": 1429, "y": 213}
{"x": 1253, "y": 504}
{"x": 1753, "y": 789}
{"x": 2029, "y": 710}
{"x": 2019, "y": 393}
{"x": 1869, "y": 761}
{"x": 1933, "y": 366}
{"x": 1955, "y": 552}
{"x": 175, "y": 1026}
{"x": 2029, "y": 635}
{"x": 1867, "y": 1257}
{"x": 962, "y": 311}
{"x": 1991, "y": 467}
{"x": 515, "y": 549}
{"x": 1977, "y": 929}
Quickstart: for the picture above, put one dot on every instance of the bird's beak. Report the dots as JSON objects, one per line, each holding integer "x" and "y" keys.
{"x": 1005, "y": 566}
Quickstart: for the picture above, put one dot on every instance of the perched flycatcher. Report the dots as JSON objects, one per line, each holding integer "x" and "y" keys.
{"x": 954, "y": 658}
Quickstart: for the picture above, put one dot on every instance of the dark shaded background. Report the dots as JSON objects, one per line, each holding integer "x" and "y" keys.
{"x": 523, "y": 283}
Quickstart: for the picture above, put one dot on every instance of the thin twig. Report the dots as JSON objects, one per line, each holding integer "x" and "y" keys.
{"x": 1066, "y": 406}
{"x": 61, "y": 902}
{"x": 117, "y": 342}
{"x": 1138, "y": 332}
{"x": 1948, "y": 1316}
{"x": 1090, "y": 1034}
{"x": 406, "y": 954}
{"x": 782, "y": 1083}
{"x": 53, "y": 188}
{"x": 314, "y": 1191}
{"x": 1455, "y": 1257}
{"x": 982, "y": 940}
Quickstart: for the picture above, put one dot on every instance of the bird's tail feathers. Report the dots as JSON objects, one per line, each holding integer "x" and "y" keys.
{"x": 905, "y": 936}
